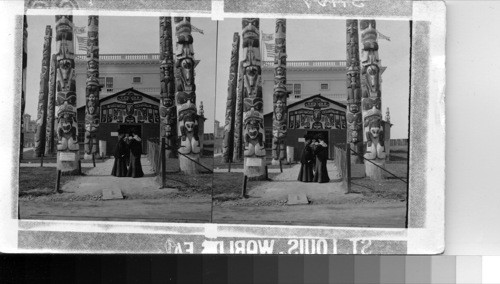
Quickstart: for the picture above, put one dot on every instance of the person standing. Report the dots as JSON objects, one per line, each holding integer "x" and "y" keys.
{"x": 307, "y": 161}
{"x": 321, "y": 153}
{"x": 120, "y": 165}
{"x": 135, "y": 168}
{"x": 127, "y": 156}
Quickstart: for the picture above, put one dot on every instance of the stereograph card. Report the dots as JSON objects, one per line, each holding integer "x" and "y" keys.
{"x": 254, "y": 127}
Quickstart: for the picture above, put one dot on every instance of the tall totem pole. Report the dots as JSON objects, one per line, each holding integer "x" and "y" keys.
{"x": 354, "y": 117}
{"x": 280, "y": 94}
{"x": 41, "y": 121}
{"x": 253, "y": 119}
{"x": 51, "y": 104}
{"x": 185, "y": 97}
{"x": 168, "y": 109}
{"x": 67, "y": 128}
{"x": 93, "y": 88}
{"x": 229, "y": 127}
{"x": 238, "y": 118}
{"x": 23, "y": 86}
{"x": 371, "y": 102}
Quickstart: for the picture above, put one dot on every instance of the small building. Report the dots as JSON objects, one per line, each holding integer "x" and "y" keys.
{"x": 312, "y": 115}
{"x": 128, "y": 109}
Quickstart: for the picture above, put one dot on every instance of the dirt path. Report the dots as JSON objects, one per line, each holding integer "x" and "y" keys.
{"x": 382, "y": 215}
{"x": 143, "y": 200}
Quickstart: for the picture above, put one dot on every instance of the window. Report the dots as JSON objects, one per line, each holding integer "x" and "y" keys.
{"x": 324, "y": 86}
{"x": 107, "y": 83}
{"x": 296, "y": 89}
{"x": 297, "y": 96}
{"x": 136, "y": 80}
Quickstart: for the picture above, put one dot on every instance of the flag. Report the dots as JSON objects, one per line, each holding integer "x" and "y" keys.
{"x": 267, "y": 37}
{"x": 383, "y": 36}
{"x": 195, "y": 29}
{"x": 269, "y": 49}
{"x": 82, "y": 43}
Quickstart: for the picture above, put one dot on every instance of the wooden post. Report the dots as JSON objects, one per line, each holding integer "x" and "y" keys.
{"x": 41, "y": 121}
{"x": 91, "y": 144}
{"x": 168, "y": 108}
{"x": 348, "y": 168}
{"x": 229, "y": 167}
{"x": 280, "y": 95}
{"x": 371, "y": 101}
{"x": 23, "y": 88}
{"x": 244, "y": 187}
{"x": 353, "y": 113}
{"x": 58, "y": 182}
{"x": 41, "y": 160}
{"x": 229, "y": 126}
{"x": 67, "y": 128}
{"x": 187, "y": 116}
{"x": 163, "y": 162}
{"x": 93, "y": 159}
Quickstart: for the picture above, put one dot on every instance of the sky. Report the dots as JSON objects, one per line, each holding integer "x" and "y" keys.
{"x": 306, "y": 40}
{"x": 326, "y": 40}
{"x": 120, "y": 34}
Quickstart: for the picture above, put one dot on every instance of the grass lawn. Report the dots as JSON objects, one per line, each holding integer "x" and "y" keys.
{"x": 40, "y": 181}
{"x": 227, "y": 186}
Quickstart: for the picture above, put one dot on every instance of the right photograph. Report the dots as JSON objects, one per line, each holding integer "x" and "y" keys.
{"x": 312, "y": 122}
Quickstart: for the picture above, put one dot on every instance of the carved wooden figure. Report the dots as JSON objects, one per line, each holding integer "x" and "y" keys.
{"x": 93, "y": 88}
{"x": 253, "y": 118}
{"x": 51, "y": 101}
{"x": 185, "y": 96}
{"x": 229, "y": 126}
{"x": 371, "y": 101}
{"x": 353, "y": 113}
{"x": 41, "y": 121}
{"x": 238, "y": 118}
{"x": 280, "y": 94}
{"x": 67, "y": 128}
{"x": 23, "y": 87}
{"x": 168, "y": 109}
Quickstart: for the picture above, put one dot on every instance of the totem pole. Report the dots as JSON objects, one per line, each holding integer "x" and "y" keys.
{"x": 253, "y": 119}
{"x": 168, "y": 109}
{"x": 23, "y": 87}
{"x": 185, "y": 97}
{"x": 280, "y": 94}
{"x": 92, "y": 90}
{"x": 371, "y": 101}
{"x": 51, "y": 101}
{"x": 238, "y": 118}
{"x": 41, "y": 121}
{"x": 228, "y": 142}
{"x": 67, "y": 128}
{"x": 354, "y": 117}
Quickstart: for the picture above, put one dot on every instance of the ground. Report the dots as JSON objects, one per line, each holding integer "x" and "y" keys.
{"x": 186, "y": 198}
{"x": 370, "y": 204}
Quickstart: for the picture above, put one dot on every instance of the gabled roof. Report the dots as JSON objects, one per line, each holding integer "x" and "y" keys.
{"x": 125, "y": 91}
{"x": 311, "y": 98}
{"x": 128, "y": 90}
{"x": 317, "y": 96}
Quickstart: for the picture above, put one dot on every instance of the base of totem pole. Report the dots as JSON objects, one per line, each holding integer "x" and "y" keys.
{"x": 69, "y": 163}
{"x": 373, "y": 172}
{"x": 187, "y": 166}
{"x": 172, "y": 164}
{"x": 255, "y": 168}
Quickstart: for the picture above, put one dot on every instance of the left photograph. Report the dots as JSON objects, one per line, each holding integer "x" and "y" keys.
{"x": 117, "y": 118}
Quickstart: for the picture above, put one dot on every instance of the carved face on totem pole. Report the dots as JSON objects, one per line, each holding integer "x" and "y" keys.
{"x": 375, "y": 128}
{"x": 66, "y": 101}
{"x": 253, "y": 128}
{"x": 67, "y": 125}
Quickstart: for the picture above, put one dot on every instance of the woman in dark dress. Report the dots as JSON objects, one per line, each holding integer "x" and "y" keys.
{"x": 120, "y": 165}
{"x": 135, "y": 168}
{"x": 321, "y": 153}
{"x": 307, "y": 162}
